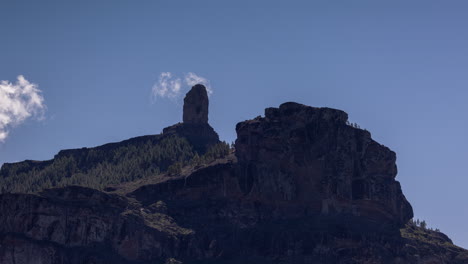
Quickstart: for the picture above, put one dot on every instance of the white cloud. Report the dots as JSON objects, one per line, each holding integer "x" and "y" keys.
{"x": 171, "y": 86}
{"x": 3, "y": 136}
{"x": 191, "y": 79}
{"x": 167, "y": 86}
{"x": 18, "y": 102}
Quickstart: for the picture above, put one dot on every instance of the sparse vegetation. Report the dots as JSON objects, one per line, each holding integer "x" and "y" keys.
{"x": 102, "y": 166}
{"x": 355, "y": 125}
{"x": 422, "y": 224}
{"x": 417, "y": 230}
{"x": 220, "y": 150}
{"x": 175, "y": 169}
{"x": 98, "y": 167}
{"x": 217, "y": 151}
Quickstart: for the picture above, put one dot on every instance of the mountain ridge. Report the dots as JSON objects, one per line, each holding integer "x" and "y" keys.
{"x": 300, "y": 186}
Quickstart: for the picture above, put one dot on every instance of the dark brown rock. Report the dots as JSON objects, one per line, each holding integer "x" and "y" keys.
{"x": 302, "y": 187}
{"x": 82, "y": 225}
{"x": 310, "y": 156}
{"x": 196, "y": 105}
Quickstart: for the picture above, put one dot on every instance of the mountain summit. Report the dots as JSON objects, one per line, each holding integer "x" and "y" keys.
{"x": 196, "y": 105}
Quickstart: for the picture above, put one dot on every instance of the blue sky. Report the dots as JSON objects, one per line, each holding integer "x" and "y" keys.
{"x": 399, "y": 68}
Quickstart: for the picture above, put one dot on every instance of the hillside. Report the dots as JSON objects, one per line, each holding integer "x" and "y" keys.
{"x": 113, "y": 163}
{"x": 302, "y": 186}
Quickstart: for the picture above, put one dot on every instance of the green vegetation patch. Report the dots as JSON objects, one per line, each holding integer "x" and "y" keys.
{"x": 109, "y": 164}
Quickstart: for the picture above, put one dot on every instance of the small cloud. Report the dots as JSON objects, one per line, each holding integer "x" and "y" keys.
{"x": 192, "y": 79}
{"x": 18, "y": 102}
{"x": 167, "y": 86}
{"x": 3, "y": 136}
{"x": 170, "y": 86}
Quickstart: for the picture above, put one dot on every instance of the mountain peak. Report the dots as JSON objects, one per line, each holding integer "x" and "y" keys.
{"x": 196, "y": 105}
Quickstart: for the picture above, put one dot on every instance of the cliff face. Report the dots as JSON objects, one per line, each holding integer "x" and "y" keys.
{"x": 301, "y": 187}
{"x": 310, "y": 157}
{"x": 82, "y": 225}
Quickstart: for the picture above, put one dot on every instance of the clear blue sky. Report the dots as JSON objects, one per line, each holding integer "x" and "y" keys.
{"x": 399, "y": 68}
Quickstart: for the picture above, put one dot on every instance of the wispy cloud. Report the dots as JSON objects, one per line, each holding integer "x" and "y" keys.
{"x": 191, "y": 79}
{"x": 170, "y": 86}
{"x": 167, "y": 86}
{"x": 18, "y": 102}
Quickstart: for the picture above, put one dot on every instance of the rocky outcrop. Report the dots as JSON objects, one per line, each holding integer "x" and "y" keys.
{"x": 196, "y": 105}
{"x": 302, "y": 187}
{"x": 72, "y": 164}
{"x": 301, "y": 175}
{"x": 310, "y": 156}
{"x": 195, "y": 125}
{"x": 200, "y": 136}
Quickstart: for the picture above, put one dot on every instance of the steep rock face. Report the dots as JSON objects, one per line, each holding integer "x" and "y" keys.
{"x": 196, "y": 105}
{"x": 58, "y": 224}
{"x": 310, "y": 156}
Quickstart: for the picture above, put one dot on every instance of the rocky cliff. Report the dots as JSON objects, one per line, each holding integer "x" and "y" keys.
{"x": 310, "y": 157}
{"x": 302, "y": 186}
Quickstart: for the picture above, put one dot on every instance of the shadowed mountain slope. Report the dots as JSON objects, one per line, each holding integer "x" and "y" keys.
{"x": 302, "y": 186}
{"x": 113, "y": 163}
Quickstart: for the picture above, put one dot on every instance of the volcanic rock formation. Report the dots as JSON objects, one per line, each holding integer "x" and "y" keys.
{"x": 302, "y": 187}
{"x": 195, "y": 125}
{"x": 311, "y": 158}
{"x": 117, "y": 162}
{"x": 196, "y": 105}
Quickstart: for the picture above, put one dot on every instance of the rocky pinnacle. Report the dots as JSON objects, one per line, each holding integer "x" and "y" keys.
{"x": 196, "y": 105}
